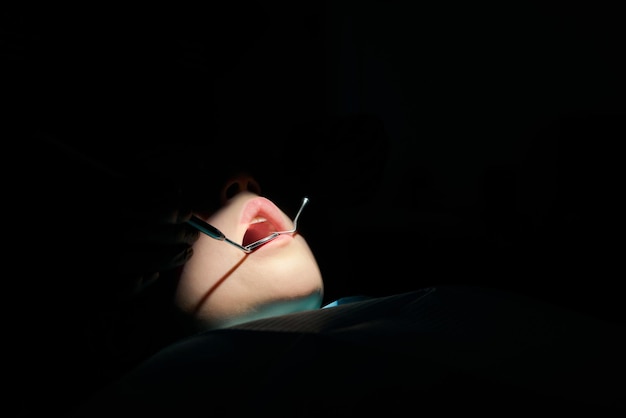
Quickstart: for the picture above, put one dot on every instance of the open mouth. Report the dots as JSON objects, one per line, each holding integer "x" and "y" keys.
{"x": 258, "y": 229}
{"x": 263, "y": 219}
{"x": 264, "y": 223}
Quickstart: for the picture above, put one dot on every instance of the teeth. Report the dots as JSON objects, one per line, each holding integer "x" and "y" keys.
{"x": 258, "y": 219}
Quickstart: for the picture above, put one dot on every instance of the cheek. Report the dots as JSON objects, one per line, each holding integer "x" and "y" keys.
{"x": 217, "y": 284}
{"x": 212, "y": 262}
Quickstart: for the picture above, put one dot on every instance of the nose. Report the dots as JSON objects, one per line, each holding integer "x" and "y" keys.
{"x": 239, "y": 183}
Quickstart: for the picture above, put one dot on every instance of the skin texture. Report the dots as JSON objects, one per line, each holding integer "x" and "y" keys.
{"x": 221, "y": 285}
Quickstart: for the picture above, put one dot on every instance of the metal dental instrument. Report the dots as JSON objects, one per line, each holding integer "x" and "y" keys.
{"x": 215, "y": 233}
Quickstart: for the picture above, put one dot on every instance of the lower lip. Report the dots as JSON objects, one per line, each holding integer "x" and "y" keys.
{"x": 278, "y": 241}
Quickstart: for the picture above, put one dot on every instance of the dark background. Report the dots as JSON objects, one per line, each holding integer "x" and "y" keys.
{"x": 438, "y": 144}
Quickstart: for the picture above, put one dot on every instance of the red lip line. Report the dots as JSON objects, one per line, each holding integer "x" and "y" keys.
{"x": 260, "y": 206}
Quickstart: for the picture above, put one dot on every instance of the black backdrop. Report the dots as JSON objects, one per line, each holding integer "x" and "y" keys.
{"x": 438, "y": 144}
{"x": 463, "y": 143}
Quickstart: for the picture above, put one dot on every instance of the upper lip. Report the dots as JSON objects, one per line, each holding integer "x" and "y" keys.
{"x": 262, "y": 207}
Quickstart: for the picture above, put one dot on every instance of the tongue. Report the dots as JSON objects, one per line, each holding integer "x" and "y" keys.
{"x": 257, "y": 231}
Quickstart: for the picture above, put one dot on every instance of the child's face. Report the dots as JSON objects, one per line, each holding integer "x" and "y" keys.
{"x": 222, "y": 285}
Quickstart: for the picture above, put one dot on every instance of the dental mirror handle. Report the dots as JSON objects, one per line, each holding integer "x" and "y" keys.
{"x": 213, "y": 232}
{"x": 208, "y": 229}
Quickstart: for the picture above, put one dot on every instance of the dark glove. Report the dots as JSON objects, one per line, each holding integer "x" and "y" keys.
{"x": 153, "y": 232}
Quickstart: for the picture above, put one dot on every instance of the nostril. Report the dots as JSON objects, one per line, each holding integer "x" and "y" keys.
{"x": 253, "y": 186}
{"x": 232, "y": 189}
{"x": 238, "y": 184}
